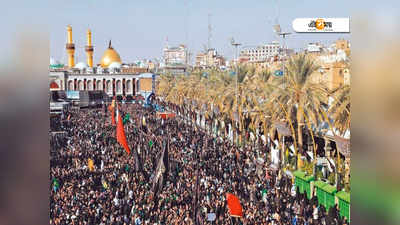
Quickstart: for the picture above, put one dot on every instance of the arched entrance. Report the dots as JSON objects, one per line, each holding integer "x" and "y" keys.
{"x": 80, "y": 85}
{"x": 128, "y": 86}
{"x": 89, "y": 85}
{"x": 118, "y": 87}
{"x": 71, "y": 85}
{"x": 99, "y": 85}
{"x": 109, "y": 86}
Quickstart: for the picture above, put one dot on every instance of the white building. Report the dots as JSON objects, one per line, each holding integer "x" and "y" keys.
{"x": 175, "y": 55}
{"x": 261, "y": 53}
{"x": 331, "y": 58}
{"x": 112, "y": 80}
{"x": 314, "y": 48}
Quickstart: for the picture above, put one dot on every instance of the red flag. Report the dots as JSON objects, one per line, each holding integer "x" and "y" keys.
{"x": 235, "y": 209}
{"x": 112, "y": 115}
{"x": 111, "y": 108}
{"x": 121, "y": 138}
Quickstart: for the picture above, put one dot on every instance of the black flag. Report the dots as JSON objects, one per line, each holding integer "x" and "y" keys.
{"x": 161, "y": 171}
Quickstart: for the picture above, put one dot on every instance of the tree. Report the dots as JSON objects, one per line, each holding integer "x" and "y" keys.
{"x": 299, "y": 95}
{"x": 339, "y": 109}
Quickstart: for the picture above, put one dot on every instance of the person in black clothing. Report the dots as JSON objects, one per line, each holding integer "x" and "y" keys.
{"x": 116, "y": 193}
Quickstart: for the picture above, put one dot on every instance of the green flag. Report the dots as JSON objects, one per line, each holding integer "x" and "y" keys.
{"x": 56, "y": 185}
{"x": 264, "y": 192}
{"x": 55, "y": 182}
{"x": 127, "y": 168}
{"x": 150, "y": 143}
{"x": 126, "y": 118}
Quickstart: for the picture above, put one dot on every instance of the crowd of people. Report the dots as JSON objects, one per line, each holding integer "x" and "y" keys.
{"x": 201, "y": 170}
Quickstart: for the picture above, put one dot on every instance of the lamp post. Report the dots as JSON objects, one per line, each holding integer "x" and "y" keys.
{"x": 278, "y": 30}
{"x": 236, "y": 45}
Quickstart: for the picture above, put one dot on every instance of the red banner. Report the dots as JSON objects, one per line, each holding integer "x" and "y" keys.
{"x": 235, "y": 209}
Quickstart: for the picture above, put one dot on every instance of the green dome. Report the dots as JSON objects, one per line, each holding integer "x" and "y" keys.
{"x": 54, "y": 64}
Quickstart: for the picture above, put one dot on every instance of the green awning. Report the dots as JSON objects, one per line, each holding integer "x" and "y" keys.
{"x": 325, "y": 187}
{"x": 56, "y": 66}
{"x": 330, "y": 189}
{"x": 319, "y": 184}
{"x": 298, "y": 173}
{"x": 309, "y": 178}
{"x": 302, "y": 175}
{"x": 344, "y": 196}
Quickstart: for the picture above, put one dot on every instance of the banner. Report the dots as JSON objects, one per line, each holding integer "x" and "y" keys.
{"x": 161, "y": 171}
{"x": 275, "y": 156}
{"x": 282, "y": 128}
{"x": 90, "y": 165}
{"x": 235, "y": 209}
{"x": 343, "y": 145}
{"x": 211, "y": 216}
{"x": 121, "y": 137}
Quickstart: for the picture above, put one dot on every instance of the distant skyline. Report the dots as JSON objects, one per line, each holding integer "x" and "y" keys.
{"x": 138, "y": 30}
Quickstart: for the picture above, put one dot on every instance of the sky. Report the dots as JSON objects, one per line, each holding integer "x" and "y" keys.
{"x": 139, "y": 29}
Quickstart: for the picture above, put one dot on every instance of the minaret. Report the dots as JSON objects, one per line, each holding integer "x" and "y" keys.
{"x": 89, "y": 48}
{"x": 70, "y": 47}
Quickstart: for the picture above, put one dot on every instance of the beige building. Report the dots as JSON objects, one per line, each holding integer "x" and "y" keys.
{"x": 209, "y": 59}
{"x": 343, "y": 45}
{"x": 332, "y": 75}
{"x": 346, "y": 74}
{"x": 334, "y": 70}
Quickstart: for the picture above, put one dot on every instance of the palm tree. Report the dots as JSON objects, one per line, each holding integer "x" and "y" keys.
{"x": 165, "y": 85}
{"x": 299, "y": 95}
{"x": 339, "y": 109}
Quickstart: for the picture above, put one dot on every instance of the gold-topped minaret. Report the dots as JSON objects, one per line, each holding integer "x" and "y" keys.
{"x": 89, "y": 48}
{"x": 70, "y": 47}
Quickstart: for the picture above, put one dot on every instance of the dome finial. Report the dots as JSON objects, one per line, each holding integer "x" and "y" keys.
{"x": 110, "y": 56}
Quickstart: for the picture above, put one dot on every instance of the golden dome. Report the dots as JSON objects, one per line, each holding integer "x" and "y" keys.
{"x": 109, "y": 56}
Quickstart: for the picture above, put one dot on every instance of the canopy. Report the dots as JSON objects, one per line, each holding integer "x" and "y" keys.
{"x": 344, "y": 196}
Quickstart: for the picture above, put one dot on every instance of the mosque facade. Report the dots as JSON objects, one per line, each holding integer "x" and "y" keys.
{"x": 109, "y": 75}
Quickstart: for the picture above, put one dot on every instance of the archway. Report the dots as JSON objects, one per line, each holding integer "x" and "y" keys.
{"x": 128, "y": 86}
{"x": 109, "y": 86}
{"x": 89, "y": 85}
{"x": 70, "y": 85}
{"x": 80, "y": 85}
{"x": 118, "y": 87}
{"x": 99, "y": 85}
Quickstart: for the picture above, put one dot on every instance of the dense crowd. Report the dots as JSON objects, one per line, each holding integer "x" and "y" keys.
{"x": 202, "y": 169}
